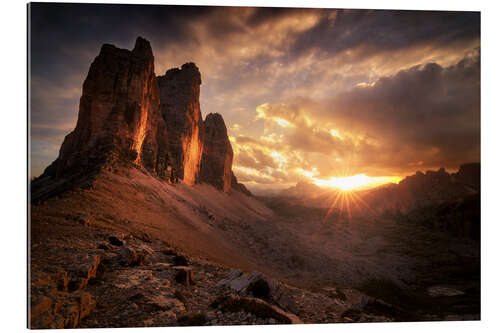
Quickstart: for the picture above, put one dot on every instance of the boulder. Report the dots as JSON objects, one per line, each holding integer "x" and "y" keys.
{"x": 239, "y": 281}
{"x": 60, "y": 310}
{"x": 259, "y": 288}
{"x": 255, "y": 306}
{"x": 133, "y": 257}
{"x": 85, "y": 268}
{"x": 258, "y": 285}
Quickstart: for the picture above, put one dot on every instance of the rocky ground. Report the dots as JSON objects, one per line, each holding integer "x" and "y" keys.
{"x": 84, "y": 275}
{"x": 111, "y": 255}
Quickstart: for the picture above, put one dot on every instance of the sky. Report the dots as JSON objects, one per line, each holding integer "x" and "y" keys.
{"x": 306, "y": 94}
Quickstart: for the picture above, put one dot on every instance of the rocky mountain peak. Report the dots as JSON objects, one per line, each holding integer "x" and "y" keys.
{"x": 130, "y": 116}
{"x": 188, "y": 74}
{"x": 119, "y": 120}
{"x": 180, "y": 107}
{"x": 217, "y": 158}
{"x": 143, "y": 49}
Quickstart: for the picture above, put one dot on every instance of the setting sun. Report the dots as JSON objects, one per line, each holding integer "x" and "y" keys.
{"x": 355, "y": 182}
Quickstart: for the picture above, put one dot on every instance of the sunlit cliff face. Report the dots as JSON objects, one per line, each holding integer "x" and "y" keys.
{"x": 193, "y": 149}
{"x": 340, "y": 98}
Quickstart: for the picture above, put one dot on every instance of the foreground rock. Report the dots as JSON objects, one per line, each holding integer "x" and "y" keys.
{"x": 256, "y": 307}
{"x": 77, "y": 283}
{"x": 257, "y": 285}
{"x": 58, "y": 295}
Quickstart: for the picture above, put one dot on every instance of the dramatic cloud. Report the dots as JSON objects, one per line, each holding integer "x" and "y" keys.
{"x": 304, "y": 92}
{"x": 423, "y": 117}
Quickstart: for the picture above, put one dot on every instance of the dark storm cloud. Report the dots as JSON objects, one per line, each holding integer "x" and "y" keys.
{"x": 426, "y": 112}
{"x": 60, "y": 32}
{"x": 376, "y": 31}
{"x": 424, "y": 117}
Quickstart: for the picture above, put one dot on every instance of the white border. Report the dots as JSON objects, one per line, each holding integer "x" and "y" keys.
{"x": 14, "y": 176}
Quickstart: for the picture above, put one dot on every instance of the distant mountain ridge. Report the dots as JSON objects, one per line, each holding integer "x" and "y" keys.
{"x": 431, "y": 187}
{"x": 413, "y": 191}
{"x": 437, "y": 199}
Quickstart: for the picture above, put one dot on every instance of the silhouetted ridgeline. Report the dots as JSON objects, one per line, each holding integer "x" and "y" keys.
{"x": 437, "y": 199}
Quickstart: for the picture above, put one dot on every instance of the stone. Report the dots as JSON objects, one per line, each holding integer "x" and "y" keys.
{"x": 255, "y": 306}
{"x": 436, "y": 291}
{"x": 184, "y": 275}
{"x": 130, "y": 278}
{"x": 239, "y": 281}
{"x": 168, "y": 315}
{"x": 258, "y": 285}
{"x": 259, "y": 288}
{"x": 62, "y": 310}
{"x": 163, "y": 303}
{"x": 38, "y": 308}
{"x": 128, "y": 256}
{"x": 198, "y": 319}
{"x": 86, "y": 267}
{"x": 133, "y": 257}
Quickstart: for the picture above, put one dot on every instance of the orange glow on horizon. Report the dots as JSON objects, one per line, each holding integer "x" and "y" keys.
{"x": 356, "y": 182}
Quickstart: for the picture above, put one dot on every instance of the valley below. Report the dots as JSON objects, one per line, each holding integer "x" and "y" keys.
{"x": 107, "y": 255}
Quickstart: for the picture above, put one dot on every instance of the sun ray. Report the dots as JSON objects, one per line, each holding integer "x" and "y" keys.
{"x": 363, "y": 202}
{"x": 332, "y": 206}
{"x": 348, "y": 202}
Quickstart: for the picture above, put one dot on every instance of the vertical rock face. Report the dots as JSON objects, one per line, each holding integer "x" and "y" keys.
{"x": 217, "y": 159}
{"x": 128, "y": 116}
{"x": 180, "y": 106}
{"x": 119, "y": 117}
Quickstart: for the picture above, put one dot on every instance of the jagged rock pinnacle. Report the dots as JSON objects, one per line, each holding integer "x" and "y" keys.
{"x": 128, "y": 116}
{"x": 217, "y": 158}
